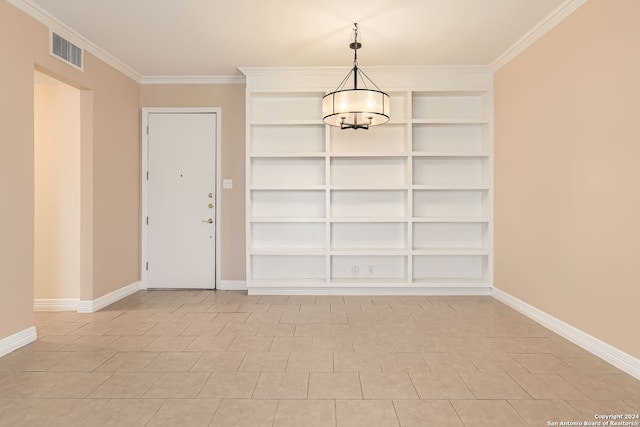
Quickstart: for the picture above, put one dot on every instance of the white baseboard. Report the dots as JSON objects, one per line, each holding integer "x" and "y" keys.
{"x": 618, "y": 358}
{"x": 17, "y": 340}
{"x": 232, "y": 285}
{"x": 59, "y": 304}
{"x": 90, "y": 306}
{"x": 367, "y": 291}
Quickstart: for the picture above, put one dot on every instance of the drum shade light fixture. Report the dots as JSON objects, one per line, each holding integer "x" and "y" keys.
{"x": 358, "y": 107}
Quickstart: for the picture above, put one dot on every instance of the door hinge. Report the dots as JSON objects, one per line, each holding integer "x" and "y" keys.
{"x": 147, "y": 220}
{"x": 147, "y": 175}
{"x": 147, "y": 129}
{"x": 147, "y": 266}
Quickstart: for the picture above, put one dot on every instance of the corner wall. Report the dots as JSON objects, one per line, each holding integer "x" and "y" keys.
{"x": 116, "y": 168}
{"x": 567, "y": 173}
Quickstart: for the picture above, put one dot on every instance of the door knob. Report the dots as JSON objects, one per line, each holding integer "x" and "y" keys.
{"x": 210, "y": 220}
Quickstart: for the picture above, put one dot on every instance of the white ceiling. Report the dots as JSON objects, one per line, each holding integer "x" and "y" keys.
{"x": 214, "y": 37}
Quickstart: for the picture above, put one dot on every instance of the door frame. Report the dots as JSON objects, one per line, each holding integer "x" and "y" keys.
{"x": 144, "y": 195}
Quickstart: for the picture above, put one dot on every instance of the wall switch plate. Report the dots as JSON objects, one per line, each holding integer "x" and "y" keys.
{"x": 372, "y": 270}
{"x": 227, "y": 184}
{"x": 355, "y": 271}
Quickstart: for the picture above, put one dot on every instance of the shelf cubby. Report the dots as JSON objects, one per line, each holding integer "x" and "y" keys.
{"x": 265, "y": 204}
{"x": 368, "y": 235}
{"x": 443, "y": 170}
{"x": 283, "y": 139}
{"x": 281, "y": 172}
{"x": 283, "y": 235}
{"x": 384, "y": 267}
{"x": 369, "y": 171}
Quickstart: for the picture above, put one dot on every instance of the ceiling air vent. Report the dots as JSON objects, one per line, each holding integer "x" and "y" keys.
{"x": 66, "y": 51}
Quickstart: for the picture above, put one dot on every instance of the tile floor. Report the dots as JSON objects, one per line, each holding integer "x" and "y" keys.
{"x": 221, "y": 358}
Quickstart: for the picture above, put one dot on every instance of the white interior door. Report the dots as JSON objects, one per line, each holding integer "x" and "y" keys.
{"x": 181, "y": 187}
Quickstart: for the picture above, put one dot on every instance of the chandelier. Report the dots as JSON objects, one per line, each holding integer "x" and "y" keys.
{"x": 360, "y": 106}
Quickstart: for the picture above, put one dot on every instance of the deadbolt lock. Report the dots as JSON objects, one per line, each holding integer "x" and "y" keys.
{"x": 211, "y": 195}
{"x": 210, "y": 205}
{"x": 209, "y": 221}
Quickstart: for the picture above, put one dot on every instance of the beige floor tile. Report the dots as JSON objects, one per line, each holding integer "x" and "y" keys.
{"x": 170, "y": 343}
{"x": 477, "y": 338}
{"x": 219, "y": 361}
{"x": 588, "y": 408}
{"x": 164, "y": 329}
{"x": 240, "y": 330}
{"x": 402, "y": 362}
{"x": 264, "y": 362}
{"x": 239, "y": 385}
{"x": 251, "y": 344}
{"x": 308, "y": 413}
{"x": 345, "y": 308}
{"x": 224, "y": 308}
{"x": 273, "y": 299}
{"x": 440, "y": 386}
{"x": 282, "y": 385}
{"x": 291, "y": 344}
{"x": 125, "y": 412}
{"x": 489, "y": 413}
{"x": 366, "y": 413}
{"x": 540, "y": 412}
{"x": 339, "y": 343}
{"x": 310, "y": 362}
{"x": 497, "y": 363}
{"x": 173, "y": 362}
{"x": 447, "y": 362}
{"x": 253, "y": 308}
{"x": 588, "y": 363}
{"x": 130, "y": 343}
{"x": 82, "y": 361}
{"x": 264, "y": 317}
{"x": 284, "y": 308}
{"x": 130, "y": 328}
{"x": 329, "y": 299}
{"x": 62, "y": 328}
{"x": 178, "y": 385}
{"x": 387, "y": 386}
{"x": 90, "y": 343}
{"x": 420, "y": 413}
{"x": 357, "y": 362}
{"x": 203, "y": 329}
{"x": 185, "y": 412}
{"x": 334, "y": 386}
{"x": 51, "y": 384}
{"x": 495, "y": 385}
{"x": 276, "y": 330}
{"x": 323, "y": 330}
{"x": 230, "y": 318}
{"x": 548, "y": 386}
{"x": 31, "y": 361}
{"x": 542, "y": 363}
{"x": 125, "y": 386}
{"x": 245, "y": 413}
{"x": 210, "y": 343}
{"x": 47, "y": 412}
{"x": 355, "y": 300}
{"x": 315, "y": 308}
{"x": 130, "y": 361}
{"x": 604, "y": 386}
{"x": 301, "y": 299}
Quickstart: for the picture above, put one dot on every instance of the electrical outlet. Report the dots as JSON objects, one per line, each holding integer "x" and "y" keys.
{"x": 355, "y": 271}
{"x": 372, "y": 270}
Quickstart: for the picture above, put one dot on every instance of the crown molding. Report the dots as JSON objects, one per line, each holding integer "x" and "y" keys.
{"x": 191, "y": 80}
{"x": 550, "y": 21}
{"x": 73, "y": 36}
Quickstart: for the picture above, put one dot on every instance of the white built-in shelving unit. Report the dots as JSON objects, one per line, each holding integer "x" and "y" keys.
{"x": 402, "y": 208}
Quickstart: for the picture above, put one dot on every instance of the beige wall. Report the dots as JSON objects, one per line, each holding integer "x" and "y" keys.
{"x": 231, "y": 99}
{"x": 57, "y": 189}
{"x": 567, "y": 173}
{"x": 116, "y": 168}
